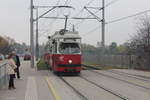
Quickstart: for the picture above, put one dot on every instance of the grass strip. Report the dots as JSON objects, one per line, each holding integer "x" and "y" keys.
{"x": 42, "y": 65}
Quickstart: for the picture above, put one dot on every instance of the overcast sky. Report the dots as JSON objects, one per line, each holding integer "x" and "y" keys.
{"x": 15, "y": 14}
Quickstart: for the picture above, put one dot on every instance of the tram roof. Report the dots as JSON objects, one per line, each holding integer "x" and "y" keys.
{"x": 67, "y": 34}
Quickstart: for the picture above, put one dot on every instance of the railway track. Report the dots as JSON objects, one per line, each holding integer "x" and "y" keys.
{"x": 91, "y": 67}
{"x": 74, "y": 89}
{"x": 129, "y": 75}
{"x": 125, "y": 81}
{"x": 95, "y": 84}
{"x": 106, "y": 89}
{"x": 139, "y": 77}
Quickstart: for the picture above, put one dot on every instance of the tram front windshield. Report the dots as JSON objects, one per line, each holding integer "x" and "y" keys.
{"x": 69, "y": 48}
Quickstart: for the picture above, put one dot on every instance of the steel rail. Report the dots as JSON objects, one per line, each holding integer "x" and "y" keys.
{"x": 128, "y": 75}
{"x": 131, "y": 83}
{"x": 134, "y": 84}
{"x": 106, "y": 89}
{"x": 75, "y": 90}
{"x": 140, "y": 76}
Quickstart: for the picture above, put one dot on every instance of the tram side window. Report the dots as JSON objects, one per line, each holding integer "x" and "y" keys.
{"x": 55, "y": 48}
{"x": 50, "y": 49}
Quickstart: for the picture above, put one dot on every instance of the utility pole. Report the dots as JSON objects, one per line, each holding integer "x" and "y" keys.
{"x": 100, "y": 20}
{"x": 37, "y": 35}
{"x": 103, "y": 23}
{"x": 31, "y": 34}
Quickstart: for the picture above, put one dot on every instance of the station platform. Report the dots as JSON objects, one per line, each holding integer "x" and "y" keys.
{"x": 115, "y": 84}
{"x": 31, "y": 86}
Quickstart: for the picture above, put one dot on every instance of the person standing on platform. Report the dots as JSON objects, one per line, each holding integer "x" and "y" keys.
{"x": 11, "y": 68}
{"x": 17, "y": 62}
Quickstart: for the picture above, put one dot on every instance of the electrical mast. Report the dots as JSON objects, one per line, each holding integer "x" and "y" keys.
{"x": 102, "y": 20}
{"x": 103, "y": 23}
{"x": 31, "y": 34}
{"x": 37, "y": 35}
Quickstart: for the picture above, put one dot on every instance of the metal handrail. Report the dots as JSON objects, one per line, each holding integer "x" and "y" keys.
{"x": 3, "y": 75}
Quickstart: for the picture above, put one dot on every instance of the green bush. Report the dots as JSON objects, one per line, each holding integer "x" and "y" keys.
{"x": 42, "y": 65}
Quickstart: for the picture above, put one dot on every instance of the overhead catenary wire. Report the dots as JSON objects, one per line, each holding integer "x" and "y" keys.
{"x": 120, "y": 19}
{"x": 57, "y": 3}
{"x": 127, "y": 17}
{"x": 46, "y": 31}
{"x": 66, "y": 2}
{"x": 84, "y": 19}
{"x": 91, "y": 31}
{"x": 110, "y": 3}
{"x": 51, "y": 24}
{"x": 83, "y": 7}
{"x": 100, "y": 8}
{"x": 78, "y": 13}
{"x": 107, "y": 5}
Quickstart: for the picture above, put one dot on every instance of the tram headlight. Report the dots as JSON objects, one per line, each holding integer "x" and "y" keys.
{"x": 70, "y": 61}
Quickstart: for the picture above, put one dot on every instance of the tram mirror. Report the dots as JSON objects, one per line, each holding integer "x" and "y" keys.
{"x": 62, "y": 31}
{"x": 49, "y": 37}
{"x": 53, "y": 42}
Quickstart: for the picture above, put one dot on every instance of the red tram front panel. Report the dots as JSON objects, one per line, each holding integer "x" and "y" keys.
{"x": 66, "y": 63}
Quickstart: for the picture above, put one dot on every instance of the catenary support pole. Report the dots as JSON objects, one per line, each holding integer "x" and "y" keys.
{"x": 37, "y": 36}
{"x": 103, "y": 23}
{"x": 31, "y": 34}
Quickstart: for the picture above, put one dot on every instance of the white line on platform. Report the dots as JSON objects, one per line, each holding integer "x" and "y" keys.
{"x": 31, "y": 90}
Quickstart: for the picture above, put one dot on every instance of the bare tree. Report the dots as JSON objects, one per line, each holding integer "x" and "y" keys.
{"x": 140, "y": 43}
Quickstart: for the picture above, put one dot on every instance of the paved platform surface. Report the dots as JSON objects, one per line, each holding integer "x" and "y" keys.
{"x": 31, "y": 86}
{"x": 116, "y": 84}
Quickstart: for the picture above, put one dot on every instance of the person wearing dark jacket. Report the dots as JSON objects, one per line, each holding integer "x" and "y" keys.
{"x": 17, "y": 62}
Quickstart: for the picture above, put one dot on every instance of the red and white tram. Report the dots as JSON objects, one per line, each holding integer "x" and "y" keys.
{"x": 64, "y": 52}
